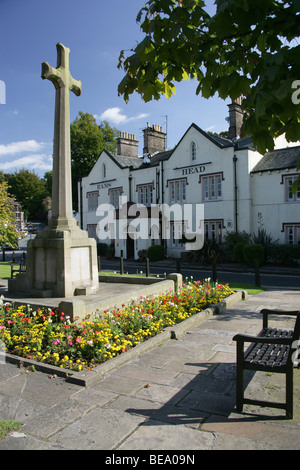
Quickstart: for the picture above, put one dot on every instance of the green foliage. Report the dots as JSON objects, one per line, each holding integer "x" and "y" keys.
{"x": 30, "y": 191}
{"x": 211, "y": 251}
{"x": 101, "y": 249}
{"x": 155, "y": 252}
{"x": 264, "y": 239}
{"x": 105, "y": 250}
{"x": 232, "y": 238}
{"x": 5, "y": 270}
{"x": 8, "y": 229}
{"x": 252, "y": 253}
{"x": 88, "y": 139}
{"x": 238, "y": 252}
{"x": 48, "y": 179}
{"x": 247, "y": 48}
{"x": 110, "y": 252}
{"x": 284, "y": 254}
{"x": 7, "y": 426}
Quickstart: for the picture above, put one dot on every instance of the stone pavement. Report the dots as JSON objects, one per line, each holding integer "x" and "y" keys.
{"x": 178, "y": 396}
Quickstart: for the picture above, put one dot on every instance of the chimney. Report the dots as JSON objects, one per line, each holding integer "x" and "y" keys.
{"x": 154, "y": 139}
{"x": 235, "y": 119}
{"x": 127, "y": 145}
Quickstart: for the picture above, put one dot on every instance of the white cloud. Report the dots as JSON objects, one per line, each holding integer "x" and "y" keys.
{"x": 39, "y": 162}
{"x": 23, "y": 146}
{"x": 29, "y": 154}
{"x": 116, "y": 116}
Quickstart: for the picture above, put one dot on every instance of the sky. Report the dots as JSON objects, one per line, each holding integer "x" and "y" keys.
{"x": 95, "y": 31}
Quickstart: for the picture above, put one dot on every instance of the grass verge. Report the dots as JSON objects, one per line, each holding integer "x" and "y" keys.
{"x": 8, "y": 426}
{"x": 5, "y": 269}
{"x": 250, "y": 288}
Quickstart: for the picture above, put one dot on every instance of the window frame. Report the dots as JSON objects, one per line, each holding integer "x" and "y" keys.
{"x": 145, "y": 194}
{"x": 212, "y": 186}
{"x": 287, "y": 181}
{"x": 92, "y": 200}
{"x": 291, "y": 232}
{"x": 114, "y": 194}
{"x": 213, "y": 229}
{"x": 177, "y": 190}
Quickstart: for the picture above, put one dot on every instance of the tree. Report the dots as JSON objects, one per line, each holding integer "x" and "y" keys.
{"x": 8, "y": 228}
{"x": 88, "y": 139}
{"x": 247, "y": 48}
{"x": 48, "y": 179}
{"x": 29, "y": 190}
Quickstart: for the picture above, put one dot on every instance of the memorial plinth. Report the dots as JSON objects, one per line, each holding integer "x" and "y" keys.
{"x": 61, "y": 260}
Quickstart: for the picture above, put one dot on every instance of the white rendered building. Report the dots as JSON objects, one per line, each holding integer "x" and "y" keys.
{"x": 239, "y": 189}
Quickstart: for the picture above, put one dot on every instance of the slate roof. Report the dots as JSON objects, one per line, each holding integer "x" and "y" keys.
{"x": 125, "y": 162}
{"x": 160, "y": 156}
{"x": 245, "y": 143}
{"x": 278, "y": 159}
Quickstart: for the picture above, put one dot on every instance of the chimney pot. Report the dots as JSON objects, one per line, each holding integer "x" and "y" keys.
{"x": 235, "y": 119}
{"x": 127, "y": 146}
{"x": 154, "y": 139}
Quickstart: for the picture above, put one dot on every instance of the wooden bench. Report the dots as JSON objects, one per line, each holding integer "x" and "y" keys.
{"x": 270, "y": 351}
{"x": 21, "y": 268}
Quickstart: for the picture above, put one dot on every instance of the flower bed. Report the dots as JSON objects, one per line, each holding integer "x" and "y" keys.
{"x": 51, "y": 337}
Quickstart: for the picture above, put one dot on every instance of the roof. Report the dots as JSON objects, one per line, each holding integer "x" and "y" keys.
{"x": 160, "y": 156}
{"x": 278, "y": 159}
{"x": 125, "y": 162}
{"x": 138, "y": 163}
{"x": 245, "y": 143}
{"x": 221, "y": 142}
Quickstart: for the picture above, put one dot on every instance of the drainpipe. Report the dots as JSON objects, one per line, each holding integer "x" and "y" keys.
{"x": 235, "y": 193}
{"x": 162, "y": 192}
{"x": 157, "y": 186}
{"x": 129, "y": 183}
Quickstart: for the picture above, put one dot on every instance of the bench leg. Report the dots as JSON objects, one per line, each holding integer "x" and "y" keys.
{"x": 239, "y": 389}
{"x": 239, "y": 378}
{"x": 289, "y": 393}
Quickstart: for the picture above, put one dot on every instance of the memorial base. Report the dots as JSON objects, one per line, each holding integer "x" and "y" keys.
{"x": 61, "y": 262}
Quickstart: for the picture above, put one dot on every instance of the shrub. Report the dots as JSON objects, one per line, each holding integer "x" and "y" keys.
{"x": 264, "y": 239}
{"x": 238, "y": 252}
{"x": 211, "y": 251}
{"x": 156, "y": 252}
{"x": 101, "y": 249}
{"x": 110, "y": 252}
{"x": 252, "y": 253}
{"x": 142, "y": 254}
{"x": 230, "y": 240}
{"x": 284, "y": 254}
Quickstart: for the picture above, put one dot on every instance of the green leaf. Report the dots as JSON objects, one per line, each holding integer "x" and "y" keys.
{"x": 144, "y": 47}
{"x": 292, "y": 132}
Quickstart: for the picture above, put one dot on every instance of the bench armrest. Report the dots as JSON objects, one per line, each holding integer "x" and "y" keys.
{"x": 266, "y": 312}
{"x": 241, "y": 338}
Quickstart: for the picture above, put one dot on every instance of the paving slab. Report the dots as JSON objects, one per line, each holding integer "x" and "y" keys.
{"x": 178, "y": 396}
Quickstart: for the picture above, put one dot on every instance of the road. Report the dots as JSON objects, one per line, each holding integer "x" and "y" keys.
{"x": 276, "y": 278}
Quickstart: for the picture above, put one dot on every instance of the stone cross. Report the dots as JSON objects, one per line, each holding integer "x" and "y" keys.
{"x": 62, "y": 214}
